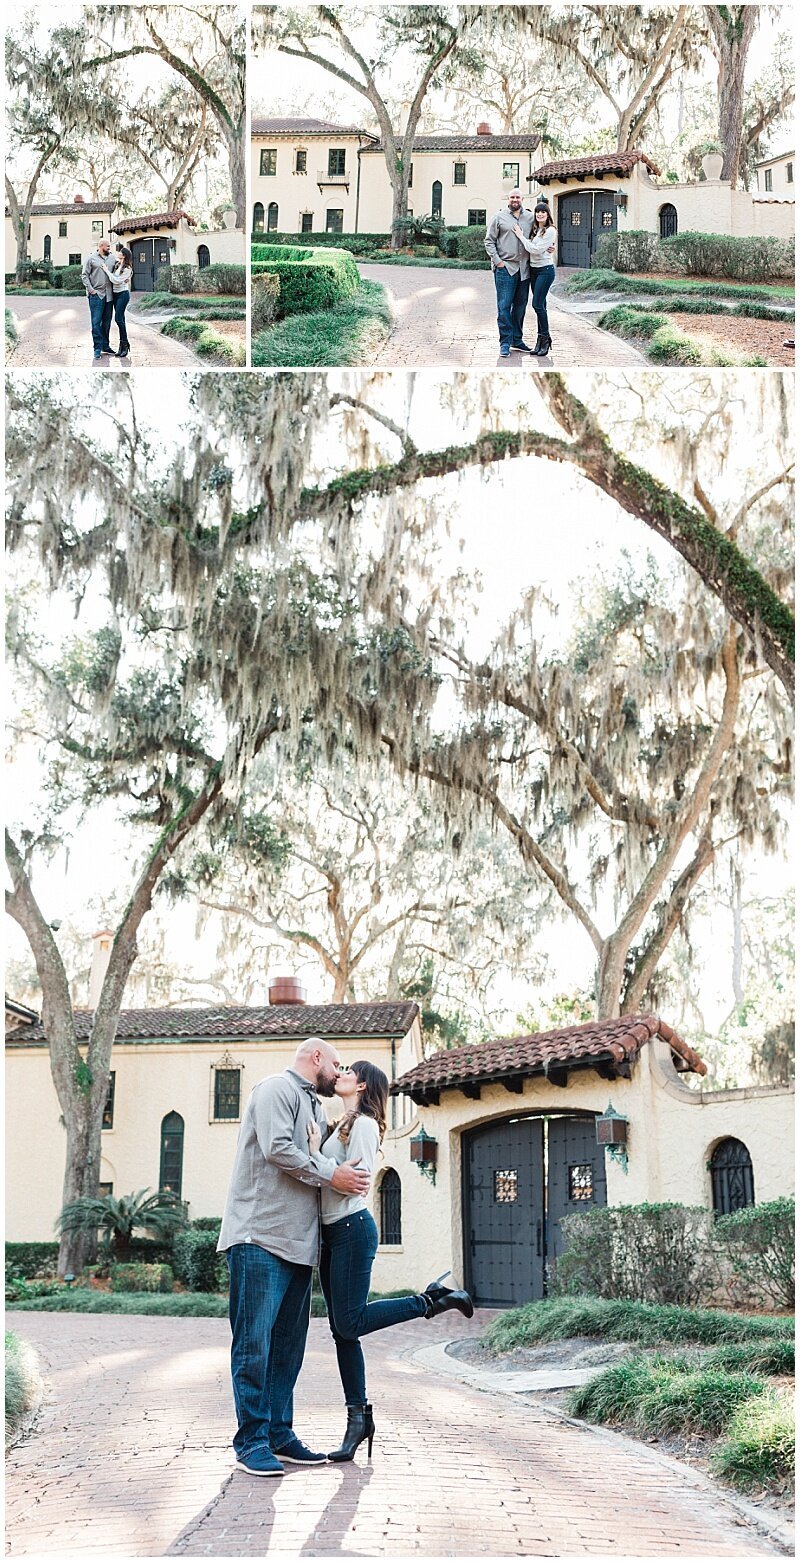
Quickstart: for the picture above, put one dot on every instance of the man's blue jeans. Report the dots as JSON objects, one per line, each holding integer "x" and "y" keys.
{"x": 348, "y": 1250}
{"x": 270, "y": 1303}
{"x": 512, "y": 298}
{"x": 100, "y": 313}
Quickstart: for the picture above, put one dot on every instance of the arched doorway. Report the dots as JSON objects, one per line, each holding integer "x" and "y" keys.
{"x": 48, "y": 246}
{"x": 436, "y": 198}
{"x": 583, "y": 217}
{"x": 203, "y": 256}
{"x": 667, "y": 221}
{"x": 521, "y": 1176}
{"x": 732, "y": 1185}
{"x": 258, "y": 217}
{"x": 170, "y": 1174}
{"x": 272, "y": 217}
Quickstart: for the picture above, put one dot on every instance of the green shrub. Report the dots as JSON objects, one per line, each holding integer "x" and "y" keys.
{"x": 631, "y": 250}
{"x": 179, "y": 278}
{"x": 759, "y": 1445}
{"x": 30, "y": 1259}
{"x": 197, "y": 1261}
{"x": 222, "y": 277}
{"x": 206, "y": 342}
{"x": 470, "y": 244}
{"x": 20, "y": 1290}
{"x": 775, "y": 1357}
{"x": 561, "y": 1318}
{"x": 177, "y": 1304}
{"x": 23, "y": 1384}
{"x": 662, "y": 1394}
{"x": 141, "y": 1277}
{"x": 427, "y": 251}
{"x": 348, "y": 334}
{"x": 643, "y": 1252}
{"x": 67, "y": 277}
{"x": 356, "y": 243}
{"x": 761, "y": 259}
{"x": 422, "y": 230}
{"x": 758, "y": 1244}
{"x": 207, "y": 1223}
{"x": 265, "y": 295}
{"x": 310, "y": 280}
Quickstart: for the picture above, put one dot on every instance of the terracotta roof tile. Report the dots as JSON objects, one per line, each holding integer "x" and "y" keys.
{"x": 273, "y": 1022}
{"x": 528, "y": 143}
{"x": 302, "y": 127}
{"x": 151, "y": 220}
{"x": 620, "y": 163}
{"x": 618, "y": 1040}
{"x": 70, "y": 208}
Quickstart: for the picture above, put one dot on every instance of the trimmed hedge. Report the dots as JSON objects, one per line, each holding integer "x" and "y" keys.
{"x": 633, "y": 250}
{"x": 309, "y": 280}
{"x": 222, "y": 277}
{"x": 642, "y": 1252}
{"x": 758, "y": 1243}
{"x": 197, "y": 1262}
{"x": 28, "y": 1259}
{"x": 266, "y": 292}
{"x": 356, "y": 243}
{"x": 469, "y": 245}
{"x": 141, "y": 1277}
{"x": 757, "y": 259}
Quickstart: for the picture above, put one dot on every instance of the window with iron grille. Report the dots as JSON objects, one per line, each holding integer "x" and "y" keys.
{"x": 391, "y": 1210}
{"x": 337, "y": 157}
{"x": 268, "y": 160}
{"x": 505, "y": 1187}
{"x": 581, "y": 1184}
{"x": 459, "y": 173}
{"x": 108, "y": 1109}
{"x": 731, "y": 1177}
{"x": 227, "y": 1094}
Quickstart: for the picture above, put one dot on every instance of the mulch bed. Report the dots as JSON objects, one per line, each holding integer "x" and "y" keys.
{"x": 740, "y": 335}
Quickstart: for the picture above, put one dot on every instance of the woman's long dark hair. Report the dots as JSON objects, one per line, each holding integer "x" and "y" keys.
{"x": 127, "y": 257}
{"x": 542, "y": 206}
{"x": 372, "y": 1101}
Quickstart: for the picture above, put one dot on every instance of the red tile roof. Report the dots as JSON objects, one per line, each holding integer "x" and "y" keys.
{"x": 482, "y": 143}
{"x": 70, "y": 208}
{"x": 620, "y": 163}
{"x": 302, "y": 127}
{"x": 615, "y": 1043}
{"x": 151, "y": 220}
{"x": 273, "y": 1022}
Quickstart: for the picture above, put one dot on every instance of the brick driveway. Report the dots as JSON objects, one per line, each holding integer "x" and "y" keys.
{"x": 55, "y": 333}
{"x": 446, "y": 317}
{"x": 131, "y": 1457}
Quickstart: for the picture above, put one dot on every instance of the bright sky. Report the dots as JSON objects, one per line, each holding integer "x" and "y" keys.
{"x": 530, "y": 522}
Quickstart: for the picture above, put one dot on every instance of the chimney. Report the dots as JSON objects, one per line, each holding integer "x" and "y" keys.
{"x": 101, "y": 954}
{"x": 286, "y": 989}
{"x": 483, "y": 129}
{"x": 78, "y": 200}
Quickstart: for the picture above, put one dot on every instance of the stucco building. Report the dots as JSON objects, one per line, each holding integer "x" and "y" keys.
{"x": 775, "y": 175}
{"x": 64, "y": 233}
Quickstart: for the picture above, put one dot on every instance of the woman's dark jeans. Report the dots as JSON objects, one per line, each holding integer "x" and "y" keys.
{"x": 348, "y": 1249}
{"x": 121, "y": 302}
{"x": 542, "y": 279}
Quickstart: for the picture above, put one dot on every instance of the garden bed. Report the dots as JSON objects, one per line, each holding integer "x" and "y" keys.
{"x": 349, "y": 333}
{"x": 748, "y": 338}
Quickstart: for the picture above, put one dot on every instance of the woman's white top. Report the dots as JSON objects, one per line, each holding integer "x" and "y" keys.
{"x": 362, "y": 1147}
{"x": 537, "y": 246}
{"x": 120, "y": 279}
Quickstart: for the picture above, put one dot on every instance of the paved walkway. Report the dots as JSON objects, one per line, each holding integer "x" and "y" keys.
{"x": 131, "y": 1457}
{"x": 55, "y": 333}
{"x": 448, "y": 317}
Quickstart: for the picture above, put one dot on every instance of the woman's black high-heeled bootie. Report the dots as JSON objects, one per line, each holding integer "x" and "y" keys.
{"x": 543, "y": 348}
{"x": 438, "y": 1299}
{"x": 360, "y": 1428}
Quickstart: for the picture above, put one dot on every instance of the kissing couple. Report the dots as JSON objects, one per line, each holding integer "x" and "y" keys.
{"x": 108, "y": 289}
{"x": 298, "y": 1197}
{"x": 522, "y": 249}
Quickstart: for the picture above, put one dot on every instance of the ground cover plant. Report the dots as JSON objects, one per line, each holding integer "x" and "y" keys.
{"x": 203, "y": 306}
{"x": 595, "y": 281}
{"x": 23, "y": 1384}
{"x": 665, "y": 343}
{"x": 206, "y": 342}
{"x": 563, "y": 1317}
{"x": 758, "y": 1447}
{"x": 347, "y": 334}
{"x": 663, "y": 1394}
{"x": 11, "y": 332}
{"x": 175, "y": 1304}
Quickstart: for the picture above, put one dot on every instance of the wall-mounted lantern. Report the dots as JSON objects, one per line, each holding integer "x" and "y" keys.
{"x": 611, "y": 1129}
{"x": 423, "y": 1153}
{"x": 621, "y": 199}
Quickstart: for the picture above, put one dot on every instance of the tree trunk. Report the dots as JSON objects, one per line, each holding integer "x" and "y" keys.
{"x": 732, "y": 28}
{"x": 399, "y": 206}
{"x": 608, "y": 982}
{"x": 236, "y": 161}
{"x": 81, "y": 1179}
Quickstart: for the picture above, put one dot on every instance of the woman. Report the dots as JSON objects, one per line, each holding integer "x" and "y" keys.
{"x": 121, "y": 276}
{"x": 349, "y": 1245}
{"x": 541, "y": 247}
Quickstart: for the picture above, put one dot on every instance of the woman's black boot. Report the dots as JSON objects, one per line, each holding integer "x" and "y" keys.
{"x": 543, "y": 346}
{"x": 438, "y": 1299}
{"x": 360, "y": 1427}
{"x": 535, "y": 350}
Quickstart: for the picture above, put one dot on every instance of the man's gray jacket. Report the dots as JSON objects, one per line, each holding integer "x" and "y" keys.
{"x": 94, "y": 278}
{"x": 502, "y": 245}
{"x": 273, "y": 1198}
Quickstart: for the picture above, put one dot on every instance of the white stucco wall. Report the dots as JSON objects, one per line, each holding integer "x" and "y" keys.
{"x": 782, "y": 170}
{"x": 224, "y": 245}
{"x": 485, "y": 187}
{"x": 81, "y": 238}
{"x": 710, "y": 206}
{"x": 297, "y": 193}
{"x": 672, "y": 1133}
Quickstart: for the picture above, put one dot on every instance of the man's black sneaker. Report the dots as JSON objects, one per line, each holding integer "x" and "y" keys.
{"x": 261, "y": 1462}
{"x": 521, "y": 347}
{"x": 296, "y": 1452}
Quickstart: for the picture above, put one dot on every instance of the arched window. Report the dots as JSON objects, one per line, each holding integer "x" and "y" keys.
{"x": 391, "y": 1211}
{"x": 48, "y": 246}
{"x": 667, "y": 221}
{"x": 170, "y": 1175}
{"x": 203, "y": 256}
{"x": 272, "y": 217}
{"x": 731, "y": 1177}
{"x": 436, "y": 198}
{"x": 258, "y": 217}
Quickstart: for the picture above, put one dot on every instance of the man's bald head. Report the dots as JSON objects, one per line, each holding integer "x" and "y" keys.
{"x": 317, "y": 1061}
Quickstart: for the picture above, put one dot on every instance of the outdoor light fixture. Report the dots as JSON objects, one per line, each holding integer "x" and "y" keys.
{"x": 621, "y": 199}
{"x": 69, "y": 1280}
{"x": 611, "y": 1129}
{"x": 423, "y": 1152}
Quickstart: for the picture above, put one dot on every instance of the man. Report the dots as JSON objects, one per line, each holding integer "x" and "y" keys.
{"x": 271, "y": 1239}
{"x": 512, "y": 271}
{"x": 100, "y": 294}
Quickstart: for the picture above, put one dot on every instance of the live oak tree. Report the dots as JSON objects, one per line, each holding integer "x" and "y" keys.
{"x": 731, "y": 29}
{"x": 333, "y": 38}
